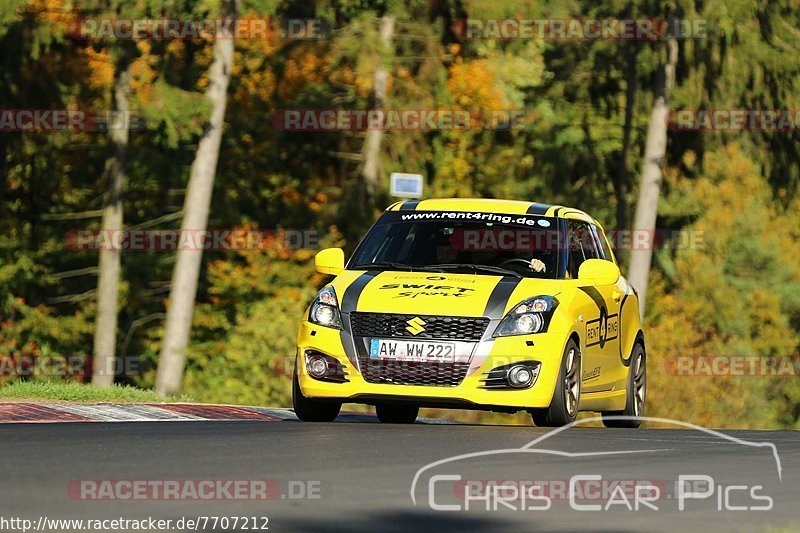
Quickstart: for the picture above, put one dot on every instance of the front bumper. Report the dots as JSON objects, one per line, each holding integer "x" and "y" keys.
{"x": 547, "y": 348}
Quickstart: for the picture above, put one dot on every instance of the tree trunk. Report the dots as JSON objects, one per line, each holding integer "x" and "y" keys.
{"x": 196, "y": 207}
{"x": 650, "y": 187}
{"x": 105, "y": 329}
{"x": 621, "y": 176}
{"x": 372, "y": 143}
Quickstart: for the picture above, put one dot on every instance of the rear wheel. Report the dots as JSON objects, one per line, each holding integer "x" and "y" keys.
{"x": 635, "y": 394}
{"x": 564, "y": 405}
{"x": 310, "y": 409}
{"x": 396, "y": 414}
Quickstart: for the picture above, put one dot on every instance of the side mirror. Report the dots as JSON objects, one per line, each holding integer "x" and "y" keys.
{"x": 598, "y": 272}
{"x": 329, "y": 261}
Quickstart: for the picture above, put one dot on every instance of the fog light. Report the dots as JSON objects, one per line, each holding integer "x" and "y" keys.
{"x": 316, "y": 366}
{"x": 519, "y": 376}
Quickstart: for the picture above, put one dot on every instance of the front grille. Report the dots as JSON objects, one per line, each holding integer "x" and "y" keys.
{"x": 436, "y": 327}
{"x": 411, "y": 372}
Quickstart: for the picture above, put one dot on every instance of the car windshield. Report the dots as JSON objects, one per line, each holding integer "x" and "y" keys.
{"x": 479, "y": 243}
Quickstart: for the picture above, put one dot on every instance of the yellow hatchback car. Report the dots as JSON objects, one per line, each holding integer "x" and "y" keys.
{"x": 474, "y": 304}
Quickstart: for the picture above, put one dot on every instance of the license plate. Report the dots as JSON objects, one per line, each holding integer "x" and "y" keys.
{"x": 444, "y": 352}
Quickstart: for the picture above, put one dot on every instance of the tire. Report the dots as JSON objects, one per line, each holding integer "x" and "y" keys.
{"x": 566, "y": 398}
{"x": 311, "y": 410}
{"x": 396, "y": 414}
{"x": 635, "y": 393}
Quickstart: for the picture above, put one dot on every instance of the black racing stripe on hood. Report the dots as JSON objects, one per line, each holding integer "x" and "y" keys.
{"x": 595, "y": 295}
{"x": 347, "y": 341}
{"x": 410, "y": 205}
{"x": 500, "y": 295}
{"x": 353, "y": 292}
{"x": 349, "y": 304}
{"x": 538, "y": 209}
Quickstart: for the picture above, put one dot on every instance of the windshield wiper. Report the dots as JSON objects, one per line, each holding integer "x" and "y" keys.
{"x": 384, "y": 264}
{"x": 477, "y": 268}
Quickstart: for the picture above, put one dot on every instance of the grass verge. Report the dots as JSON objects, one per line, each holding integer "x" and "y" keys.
{"x": 79, "y": 392}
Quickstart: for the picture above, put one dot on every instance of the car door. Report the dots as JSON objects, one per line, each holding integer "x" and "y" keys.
{"x": 627, "y": 323}
{"x": 600, "y": 311}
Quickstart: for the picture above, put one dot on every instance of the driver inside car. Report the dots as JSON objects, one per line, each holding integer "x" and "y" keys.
{"x": 445, "y": 253}
{"x": 537, "y": 265}
{"x": 542, "y": 258}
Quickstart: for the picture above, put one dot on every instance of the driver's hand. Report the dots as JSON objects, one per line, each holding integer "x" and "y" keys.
{"x": 537, "y": 265}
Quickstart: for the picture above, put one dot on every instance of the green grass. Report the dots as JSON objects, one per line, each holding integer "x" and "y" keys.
{"x": 78, "y": 392}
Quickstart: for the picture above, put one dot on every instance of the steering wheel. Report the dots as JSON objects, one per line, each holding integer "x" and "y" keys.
{"x": 516, "y": 260}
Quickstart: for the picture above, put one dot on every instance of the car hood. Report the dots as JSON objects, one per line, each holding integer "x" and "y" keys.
{"x": 431, "y": 293}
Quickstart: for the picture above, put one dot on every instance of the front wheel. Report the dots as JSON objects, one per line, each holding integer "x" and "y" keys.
{"x": 564, "y": 406}
{"x": 635, "y": 394}
{"x": 396, "y": 414}
{"x": 310, "y": 409}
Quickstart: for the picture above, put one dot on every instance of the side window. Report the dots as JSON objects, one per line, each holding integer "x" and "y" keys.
{"x": 583, "y": 245}
{"x": 605, "y": 250}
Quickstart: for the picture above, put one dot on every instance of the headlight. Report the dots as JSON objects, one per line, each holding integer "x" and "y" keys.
{"x": 527, "y": 317}
{"x": 325, "y": 309}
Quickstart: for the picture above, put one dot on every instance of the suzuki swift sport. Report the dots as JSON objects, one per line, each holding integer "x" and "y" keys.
{"x": 474, "y": 304}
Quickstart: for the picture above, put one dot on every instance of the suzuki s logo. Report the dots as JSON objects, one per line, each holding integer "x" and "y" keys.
{"x": 415, "y": 326}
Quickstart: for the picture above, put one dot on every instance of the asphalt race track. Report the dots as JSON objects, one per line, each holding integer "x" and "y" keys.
{"x": 365, "y": 472}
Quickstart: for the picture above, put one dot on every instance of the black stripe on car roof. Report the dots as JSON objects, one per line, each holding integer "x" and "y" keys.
{"x": 538, "y": 209}
{"x": 410, "y": 205}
